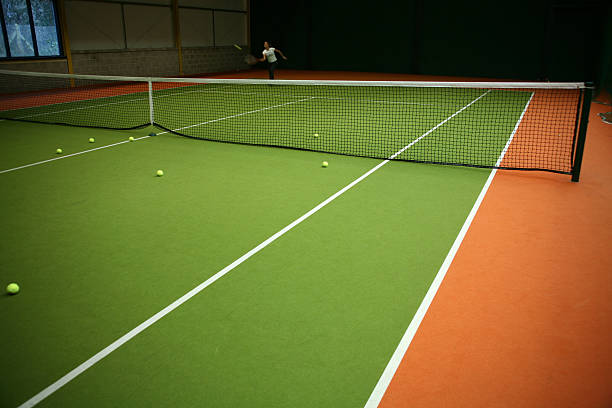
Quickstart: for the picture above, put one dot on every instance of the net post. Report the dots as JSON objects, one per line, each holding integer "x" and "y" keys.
{"x": 151, "y": 116}
{"x": 582, "y": 130}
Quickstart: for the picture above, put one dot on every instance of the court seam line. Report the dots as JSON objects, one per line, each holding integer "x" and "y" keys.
{"x": 144, "y": 137}
{"x": 398, "y": 355}
{"x": 178, "y": 302}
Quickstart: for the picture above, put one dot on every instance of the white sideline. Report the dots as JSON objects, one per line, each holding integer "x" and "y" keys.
{"x": 151, "y": 320}
{"x": 387, "y": 375}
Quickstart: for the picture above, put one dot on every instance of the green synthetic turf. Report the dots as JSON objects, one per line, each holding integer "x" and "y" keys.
{"x": 26, "y": 143}
{"x": 360, "y": 121}
{"x": 312, "y": 320}
{"x": 99, "y": 244}
{"x": 115, "y": 107}
{"x": 105, "y": 242}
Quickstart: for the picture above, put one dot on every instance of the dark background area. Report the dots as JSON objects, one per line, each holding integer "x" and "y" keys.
{"x": 556, "y": 40}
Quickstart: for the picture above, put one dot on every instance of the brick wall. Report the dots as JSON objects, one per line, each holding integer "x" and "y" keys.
{"x": 142, "y": 62}
{"x": 158, "y": 62}
{"x": 57, "y": 66}
{"x": 212, "y": 59}
{"x": 14, "y": 84}
{"x": 148, "y": 62}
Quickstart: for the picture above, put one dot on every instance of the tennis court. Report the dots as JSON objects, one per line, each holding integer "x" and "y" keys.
{"x": 246, "y": 275}
{"x": 234, "y": 203}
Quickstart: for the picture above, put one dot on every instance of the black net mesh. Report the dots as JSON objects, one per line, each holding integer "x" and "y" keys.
{"x": 489, "y": 125}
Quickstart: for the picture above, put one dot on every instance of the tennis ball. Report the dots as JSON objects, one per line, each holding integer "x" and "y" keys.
{"x": 239, "y": 48}
{"x": 91, "y": 140}
{"x": 316, "y": 135}
{"x": 325, "y": 164}
{"x": 152, "y": 134}
{"x": 131, "y": 138}
{"x": 160, "y": 173}
{"x": 12, "y": 288}
{"x": 59, "y": 151}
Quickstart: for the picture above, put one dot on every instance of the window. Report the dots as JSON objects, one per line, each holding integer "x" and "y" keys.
{"x": 2, "y": 46}
{"x": 45, "y": 27}
{"x": 29, "y": 29}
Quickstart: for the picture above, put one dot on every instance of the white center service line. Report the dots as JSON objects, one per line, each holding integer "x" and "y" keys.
{"x": 400, "y": 351}
{"x": 157, "y": 316}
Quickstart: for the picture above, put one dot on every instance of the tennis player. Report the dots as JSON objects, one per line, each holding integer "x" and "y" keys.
{"x": 269, "y": 54}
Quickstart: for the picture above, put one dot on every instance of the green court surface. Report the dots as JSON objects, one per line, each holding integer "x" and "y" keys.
{"x": 366, "y": 121}
{"x": 99, "y": 244}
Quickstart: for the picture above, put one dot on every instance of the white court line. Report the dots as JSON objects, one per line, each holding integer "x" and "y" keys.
{"x": 76, "y": 109}
{"x": 400, "y": 351}
{"x": 365, "y": 100}
{"x": 151, "y": 320}
{"x": 102, "y": 104}
{"x": 121, "y": 95}
{"x": 70, "y": 155}
{"x": 145, "y": 137}
{"x": 238, "y": 114}
{"x": 187, "y": 92}
{"x": 80, "y": 100}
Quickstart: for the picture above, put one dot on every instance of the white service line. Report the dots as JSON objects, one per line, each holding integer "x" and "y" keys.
{"x": 366, "y": 100}
{"x": 157, "y": 316}
{"x": 400, "y": 351}
{"x": 239, "y": 114}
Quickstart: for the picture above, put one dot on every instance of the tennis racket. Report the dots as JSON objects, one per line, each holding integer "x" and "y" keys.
{"x": 250, "y": 59}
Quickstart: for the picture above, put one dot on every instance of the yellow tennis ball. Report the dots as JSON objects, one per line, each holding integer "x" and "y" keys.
{"x": 12, "y": 288}
{"x": 325, "y": 164}
{"x": 316, "y": 135}
{"x": 160, "y": 173}
{"x": 59, "y": 151}
{"x": 131, "y": 138}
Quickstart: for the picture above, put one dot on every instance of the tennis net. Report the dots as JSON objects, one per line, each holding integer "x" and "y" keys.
{"x": 525, "y": 126}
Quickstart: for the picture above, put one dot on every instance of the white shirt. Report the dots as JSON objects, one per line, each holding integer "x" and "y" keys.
{"x": 269, "y": 54}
